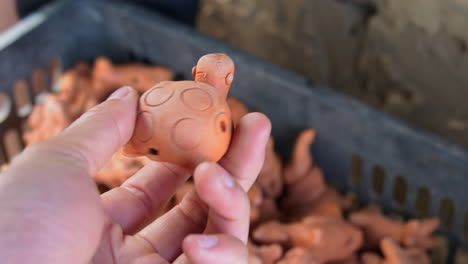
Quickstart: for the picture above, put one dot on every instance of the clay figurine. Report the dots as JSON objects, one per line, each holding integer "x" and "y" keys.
{"x": 107, "y": 77}
{"x": 327, "y": 238}
{"x": 46, "y": 120}
{"x": 298, "y": 255}
{"x": 75, "y": 90}
{"x": 186, "y": 122}
{"x": 270, "y": 177}
{"x": 414, "y": 233}
{"x": 268, "y": 254}
{"x": 306, "y": 192}
{"x": 395, "y": 254}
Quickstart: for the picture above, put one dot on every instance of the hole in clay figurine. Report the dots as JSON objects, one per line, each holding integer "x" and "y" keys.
{"x": 5, "y": 107}
{"x": 356, "y": 170}
{"x": 135, "y": 80}
{"x": 399, "y": 190}
{"x": 465, "y": 226}
{"x": 446, "y": 213}
{"x": 423, "y": 202}
{"x": 12, "y": 143}
{"x": 153, "y": 151}
{"x": 378, "y": 180}
{"x": 223, "y": 126}
{"x": 22, "y": 99}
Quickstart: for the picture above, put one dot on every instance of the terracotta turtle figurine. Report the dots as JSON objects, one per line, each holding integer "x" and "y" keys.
{"x": 186, "y": 122}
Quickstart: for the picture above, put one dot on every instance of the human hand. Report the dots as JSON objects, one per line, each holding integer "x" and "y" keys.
{"x": 53, "y": 213}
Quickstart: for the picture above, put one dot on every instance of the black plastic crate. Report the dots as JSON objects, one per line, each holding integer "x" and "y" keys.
{"x": 405, "y": 170}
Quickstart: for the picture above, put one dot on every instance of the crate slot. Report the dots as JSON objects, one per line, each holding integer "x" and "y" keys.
{"x": 400, "y": 191}
{"x": 22, "y": 97}
{"x": 356, "y": 170}
{"x": 446, "y": 213}
{"x": 5, "y": 107}
{"x": 465, "y": 227}
{"x": 423, "y": 202}
{"x": 12, "y": 143}
{"x": 39, "y": 85}
{"x": 378, "y": 180}
{"x": 55, "y": 71}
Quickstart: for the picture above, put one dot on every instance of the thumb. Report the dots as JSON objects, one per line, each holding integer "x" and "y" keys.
{"x": 100, "y": 132}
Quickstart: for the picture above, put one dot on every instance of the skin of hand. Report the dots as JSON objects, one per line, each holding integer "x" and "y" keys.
{"x": 8, "y": 14}
{"x": 53, "y": 213}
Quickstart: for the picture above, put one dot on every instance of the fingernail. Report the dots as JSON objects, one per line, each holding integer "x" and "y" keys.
{"x": 228, "y": 180}
{"x": 120, "y": 93}
{"x": 207, "y": 241}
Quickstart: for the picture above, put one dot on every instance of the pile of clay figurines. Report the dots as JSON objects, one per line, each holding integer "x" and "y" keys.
{"x": 295, "y": 216}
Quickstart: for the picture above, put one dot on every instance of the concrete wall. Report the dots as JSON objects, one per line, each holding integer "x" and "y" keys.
{"x": 408, "y": 58}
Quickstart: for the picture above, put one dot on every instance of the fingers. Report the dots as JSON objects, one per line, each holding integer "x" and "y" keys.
{"x": 55, "y": 175}
{"x": 216, "y": 249}
{"x": 228, "y": 203}
{"x": 246, "y": 155}
{"x": 244, "y": 158}
{"x": 141, "y": 198}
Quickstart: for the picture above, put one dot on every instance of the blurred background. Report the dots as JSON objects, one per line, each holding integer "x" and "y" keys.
{"x": 407, "y": 58}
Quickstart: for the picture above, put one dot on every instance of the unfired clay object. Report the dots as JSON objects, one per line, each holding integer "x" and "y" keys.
{"x": 108, "y": 77}
{"x": 395, "y": 254}
{"x": 270, "y": 177}
{"x": 187, "y": 122}
{"x": 256, "y": 199}
{"x": 76, "y": 90}
{"x": 46, "y": 120}
{"x": 119, "y": 168}
{"x": 307, "y": 193}
{"x": 414, "y": 233}
{"x": 327, "y": 238}
{"x": 298, "y": 255}
{"x": 268, "y": 254}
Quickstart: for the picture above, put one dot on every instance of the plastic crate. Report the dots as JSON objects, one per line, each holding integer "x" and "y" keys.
{"x": 382, "y": 160}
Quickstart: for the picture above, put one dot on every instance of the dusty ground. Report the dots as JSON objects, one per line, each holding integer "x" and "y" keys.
{"x": 408, "y": 58}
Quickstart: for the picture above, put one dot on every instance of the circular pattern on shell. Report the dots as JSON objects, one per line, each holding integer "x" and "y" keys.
{"x": 159, "y": 95}
{"x": 197, "y": 99}
{"x": 186, "y": 134}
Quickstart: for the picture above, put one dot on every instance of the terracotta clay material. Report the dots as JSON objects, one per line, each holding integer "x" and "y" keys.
{"x": 327, "y": 238}
{"x": 256, "y": 199}
{"x": 119, "y": 168}
{"x": 107, "y": 77}
{"x": 268, "y": 254}
{"x": 46, "y": 120}
{"x": 298, "y": 256}
{"x": 414, "y": 233}
{"x": 186, "y": 122}
{"x": 75, "y": 90}
{"x": 353, "y": 259}
{"x": 301, "y": 161}
{"x": 395, "y": 254}
{"x": 270, "y": 177}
